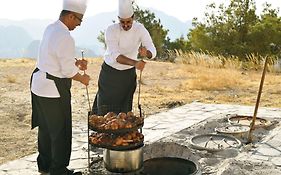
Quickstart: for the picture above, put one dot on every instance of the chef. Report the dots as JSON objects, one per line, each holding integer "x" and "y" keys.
{"x": 50, "y": 89}
{"x": 117, "y": 79}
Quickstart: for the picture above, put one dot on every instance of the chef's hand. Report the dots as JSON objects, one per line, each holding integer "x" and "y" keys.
{"x": 85, "y": 79}
{"x": 81, "y": 64}
{"x": 140, "y": 65}
{"x": 143, "y": 51}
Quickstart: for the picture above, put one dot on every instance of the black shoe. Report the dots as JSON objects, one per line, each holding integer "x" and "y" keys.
{"x": 71, "y": 172}
{"x": 43, "y": 172}
{"x": 77, "y": 173}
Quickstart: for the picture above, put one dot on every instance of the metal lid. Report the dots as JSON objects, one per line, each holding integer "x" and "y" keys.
{"x": 214, "y": 142}
{"x": 246, "y": 120}
{"x": 232, "y": 129}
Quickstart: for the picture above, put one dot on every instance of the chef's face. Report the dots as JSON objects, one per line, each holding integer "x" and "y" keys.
{"x": 76, "y": 20}
{"x": 126, "y": 23}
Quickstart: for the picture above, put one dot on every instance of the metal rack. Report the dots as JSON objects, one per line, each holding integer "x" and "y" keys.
{"x": 117, "y": 133}
{"x": 115, "y": 109}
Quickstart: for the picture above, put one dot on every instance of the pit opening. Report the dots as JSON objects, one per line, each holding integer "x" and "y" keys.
{"x": 169, "y": 166}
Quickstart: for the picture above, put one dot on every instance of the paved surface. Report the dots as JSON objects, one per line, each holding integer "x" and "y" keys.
{"x": 161, "y": 126}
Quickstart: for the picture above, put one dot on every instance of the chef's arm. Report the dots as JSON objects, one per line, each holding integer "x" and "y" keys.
{"x": 147, "y": 46}
{"x": 139, "y": 64}
{"x": 84, "y": 79}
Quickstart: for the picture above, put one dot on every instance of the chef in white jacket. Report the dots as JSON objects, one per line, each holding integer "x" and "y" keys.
{"x": 117, "y": 80}
{"x": 50, "y": 89}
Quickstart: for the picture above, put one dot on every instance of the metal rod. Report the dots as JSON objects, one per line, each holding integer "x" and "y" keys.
{"x": 89, "y": 112}
{"x": 89, "y": 163}
{"x": 87, "y": 91}
{"x": 88, "y": 98}
{"x": 139, "y": 88}
{"x": 250, "y": 138}
{"x": 139, "y": 105}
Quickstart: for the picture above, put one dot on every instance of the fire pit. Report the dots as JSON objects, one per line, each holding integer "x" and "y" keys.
{"x": 170, "y": 166}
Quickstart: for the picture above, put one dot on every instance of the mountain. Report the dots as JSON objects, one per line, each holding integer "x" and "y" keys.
{"x": 32, "y": 50}
{"x": 176, "y": 27}
{"x": 86, "y": 35}
{"x": 35, "y": 27}
{"x": 24, "y": 36}
{"x": 13, "y": 41}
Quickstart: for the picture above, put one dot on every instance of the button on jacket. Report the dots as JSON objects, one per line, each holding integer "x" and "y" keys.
{"x": 127, "y": 43}
{"x": 56, "y": 57}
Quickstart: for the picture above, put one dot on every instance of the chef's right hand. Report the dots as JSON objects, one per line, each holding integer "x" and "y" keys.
{"x": 140, "y": 65}
{"x": 85, "y": 79}
{"x": 81, "y": 64}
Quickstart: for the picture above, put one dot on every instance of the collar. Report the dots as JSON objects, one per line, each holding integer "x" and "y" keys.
{"x": 62, "y": 25}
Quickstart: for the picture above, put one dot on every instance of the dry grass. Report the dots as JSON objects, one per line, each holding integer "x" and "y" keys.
{"x": 195, "y": 77}
{"x": 210, "y": 61}
{"x": 215, "y": 80}
{"x": 11, "y": 79}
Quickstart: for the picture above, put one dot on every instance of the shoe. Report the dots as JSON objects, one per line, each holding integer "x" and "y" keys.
{"x": 77, "y": 173}
{"x": 71, "y": 172}
{"x": 43, "y": 172}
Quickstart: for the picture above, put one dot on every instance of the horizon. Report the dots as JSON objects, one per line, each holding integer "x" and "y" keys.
{"x": 50, "y": 9}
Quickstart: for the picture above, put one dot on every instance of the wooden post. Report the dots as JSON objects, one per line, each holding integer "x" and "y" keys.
{"x": 252, "y": 125}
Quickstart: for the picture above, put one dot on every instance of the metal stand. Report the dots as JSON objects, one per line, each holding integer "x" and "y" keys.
{"x": 90, "y": 162}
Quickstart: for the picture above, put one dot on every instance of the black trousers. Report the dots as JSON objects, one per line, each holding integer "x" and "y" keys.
{"x": 54, "y": 140}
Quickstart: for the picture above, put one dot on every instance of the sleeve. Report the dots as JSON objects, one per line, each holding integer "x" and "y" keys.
{"x": 147, "y": 41}
{"x": 112, "y": 44}
{"x": 66, "y": 56}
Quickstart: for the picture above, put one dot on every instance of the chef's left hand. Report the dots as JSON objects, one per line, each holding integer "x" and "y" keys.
{"x": 81, "y": 64}
{"x": 143, "y": 51}
{"x": 140, "y": 65}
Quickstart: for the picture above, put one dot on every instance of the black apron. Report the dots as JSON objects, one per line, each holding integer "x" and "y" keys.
{"x": 59, "y": 155}
{"x": 63, "y": 85}
{"x": 116, "y": 89}
{"x": 34, "y": 114}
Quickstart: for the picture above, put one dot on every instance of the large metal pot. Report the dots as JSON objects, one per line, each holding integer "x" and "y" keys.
{"x": 123, "y": 161}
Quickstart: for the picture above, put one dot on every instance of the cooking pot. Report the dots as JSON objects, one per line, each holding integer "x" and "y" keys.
{"x": 123, "y": 161}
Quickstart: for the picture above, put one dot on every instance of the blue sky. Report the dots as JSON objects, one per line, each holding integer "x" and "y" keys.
{"x": 49, "y": 9}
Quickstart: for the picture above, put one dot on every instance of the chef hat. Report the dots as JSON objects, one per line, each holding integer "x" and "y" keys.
{"x": 78, "y": 6}
{"x": 125, "y": 9}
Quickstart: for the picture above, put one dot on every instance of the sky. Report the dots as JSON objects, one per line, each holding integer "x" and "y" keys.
{"x": 49, "y": 9}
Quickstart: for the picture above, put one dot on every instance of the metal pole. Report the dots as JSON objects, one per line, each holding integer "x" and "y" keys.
{"x": 89, "y": 112}
{"x": 82, "y": 51}
{"x": 139, "y": 105}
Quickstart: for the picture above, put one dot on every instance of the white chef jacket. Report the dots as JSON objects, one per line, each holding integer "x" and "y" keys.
{"x": 57, "y": 57}
{"x": 127, "y": 43}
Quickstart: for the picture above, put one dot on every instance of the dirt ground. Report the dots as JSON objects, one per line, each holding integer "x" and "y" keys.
{"x": 163, "y": 86}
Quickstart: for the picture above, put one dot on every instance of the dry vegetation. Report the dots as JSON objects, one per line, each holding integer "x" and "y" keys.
{"x": 194, "y": 77}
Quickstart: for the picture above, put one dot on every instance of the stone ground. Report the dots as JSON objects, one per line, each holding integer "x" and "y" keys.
{"x": 174, "y": 125}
